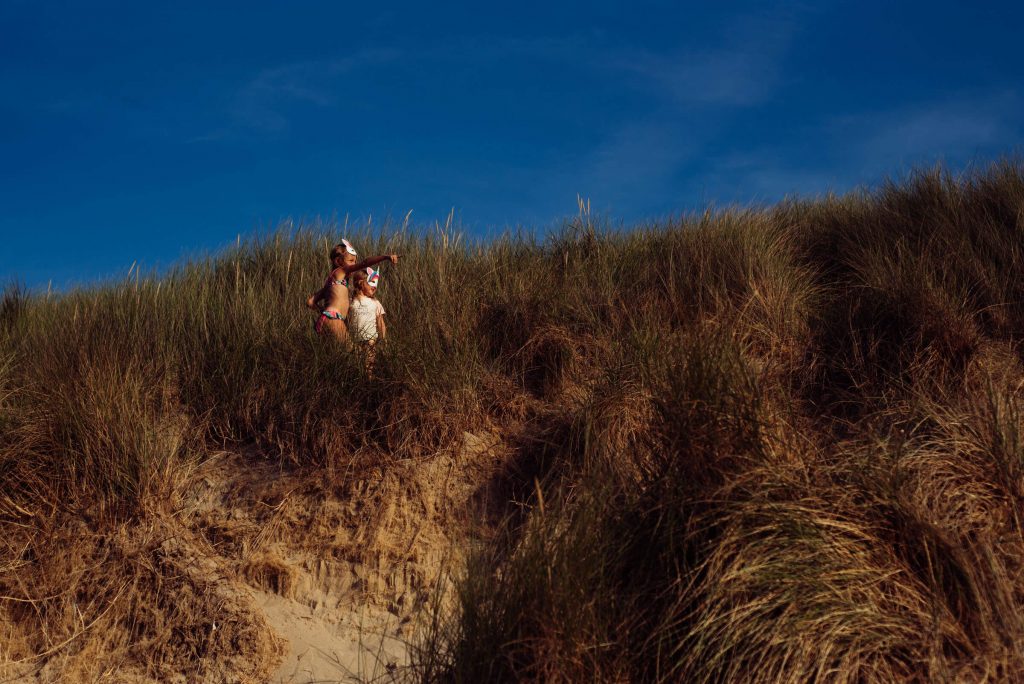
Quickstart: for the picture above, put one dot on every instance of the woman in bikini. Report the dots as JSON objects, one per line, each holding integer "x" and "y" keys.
{"x": 332, "y": 300}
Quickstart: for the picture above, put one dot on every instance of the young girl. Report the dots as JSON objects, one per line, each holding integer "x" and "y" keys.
{"x": 332, "y": 300}
{"x": 366, "y": 315}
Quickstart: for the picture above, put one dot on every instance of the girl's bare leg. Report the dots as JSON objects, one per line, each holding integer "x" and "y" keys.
{"x": 337, "y": 329}
{"x": 371, "y": 357}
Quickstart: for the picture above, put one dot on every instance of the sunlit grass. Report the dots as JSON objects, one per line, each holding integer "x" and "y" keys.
{"x": 772, "y": 445}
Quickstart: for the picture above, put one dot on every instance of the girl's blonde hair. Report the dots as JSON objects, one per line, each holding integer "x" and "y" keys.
{"x": 356, "y": 278}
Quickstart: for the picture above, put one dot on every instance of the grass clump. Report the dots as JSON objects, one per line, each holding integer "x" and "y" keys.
{"x": 820, "y": 476}
{"x": 760, "y": 445}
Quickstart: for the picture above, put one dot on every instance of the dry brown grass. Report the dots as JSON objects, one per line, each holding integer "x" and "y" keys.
{"x": 803, "y": 462}
{"x": 774, "y": 445}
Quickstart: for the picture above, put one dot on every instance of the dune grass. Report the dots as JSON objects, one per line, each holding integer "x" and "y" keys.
{"x": 779, "y": 444}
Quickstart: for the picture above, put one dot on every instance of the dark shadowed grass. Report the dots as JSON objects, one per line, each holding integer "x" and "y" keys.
{"x": 774, "y": 445}
{"x": 801, "y": 463}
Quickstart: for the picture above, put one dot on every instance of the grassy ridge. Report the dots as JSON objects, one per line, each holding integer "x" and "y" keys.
{"x": 768, "y": 445}
{"x": 799, "y": 460}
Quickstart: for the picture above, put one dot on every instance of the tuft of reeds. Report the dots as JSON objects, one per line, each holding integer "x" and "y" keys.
{"x": 798, "y": 458}
{"x": 758, "y": 445}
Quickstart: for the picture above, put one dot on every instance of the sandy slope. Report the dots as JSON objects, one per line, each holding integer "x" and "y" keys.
{"x": 356, "y": 644}
{"x": 262, "y": 572}
{"x": 340, "y": 573}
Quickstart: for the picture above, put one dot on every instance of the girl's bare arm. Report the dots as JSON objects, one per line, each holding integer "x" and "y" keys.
{"x": 314, "y": 298}
{"x": 382, "y": 330}
{"x": 371, "y": 261}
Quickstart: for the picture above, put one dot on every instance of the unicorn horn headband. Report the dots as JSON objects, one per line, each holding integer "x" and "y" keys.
{"x": 372, "y": 277}
{"x": 348, "y": 247}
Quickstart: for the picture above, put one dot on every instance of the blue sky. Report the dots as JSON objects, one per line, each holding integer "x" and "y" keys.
{"x": 135, "y": 133}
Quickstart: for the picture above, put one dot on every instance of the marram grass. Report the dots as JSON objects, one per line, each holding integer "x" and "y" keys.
{"x": 773, "y": 445}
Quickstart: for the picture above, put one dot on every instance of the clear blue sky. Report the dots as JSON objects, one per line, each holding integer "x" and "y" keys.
{"x": 131, "y": 132}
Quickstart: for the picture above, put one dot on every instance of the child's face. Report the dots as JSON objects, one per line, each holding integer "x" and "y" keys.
{"x": 366, "y": 289}
{"x": 348, "y": 259}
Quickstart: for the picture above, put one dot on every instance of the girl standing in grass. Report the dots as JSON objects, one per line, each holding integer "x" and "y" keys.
{"x": 332, "y": 300}
{"x": 366, "y": 315}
